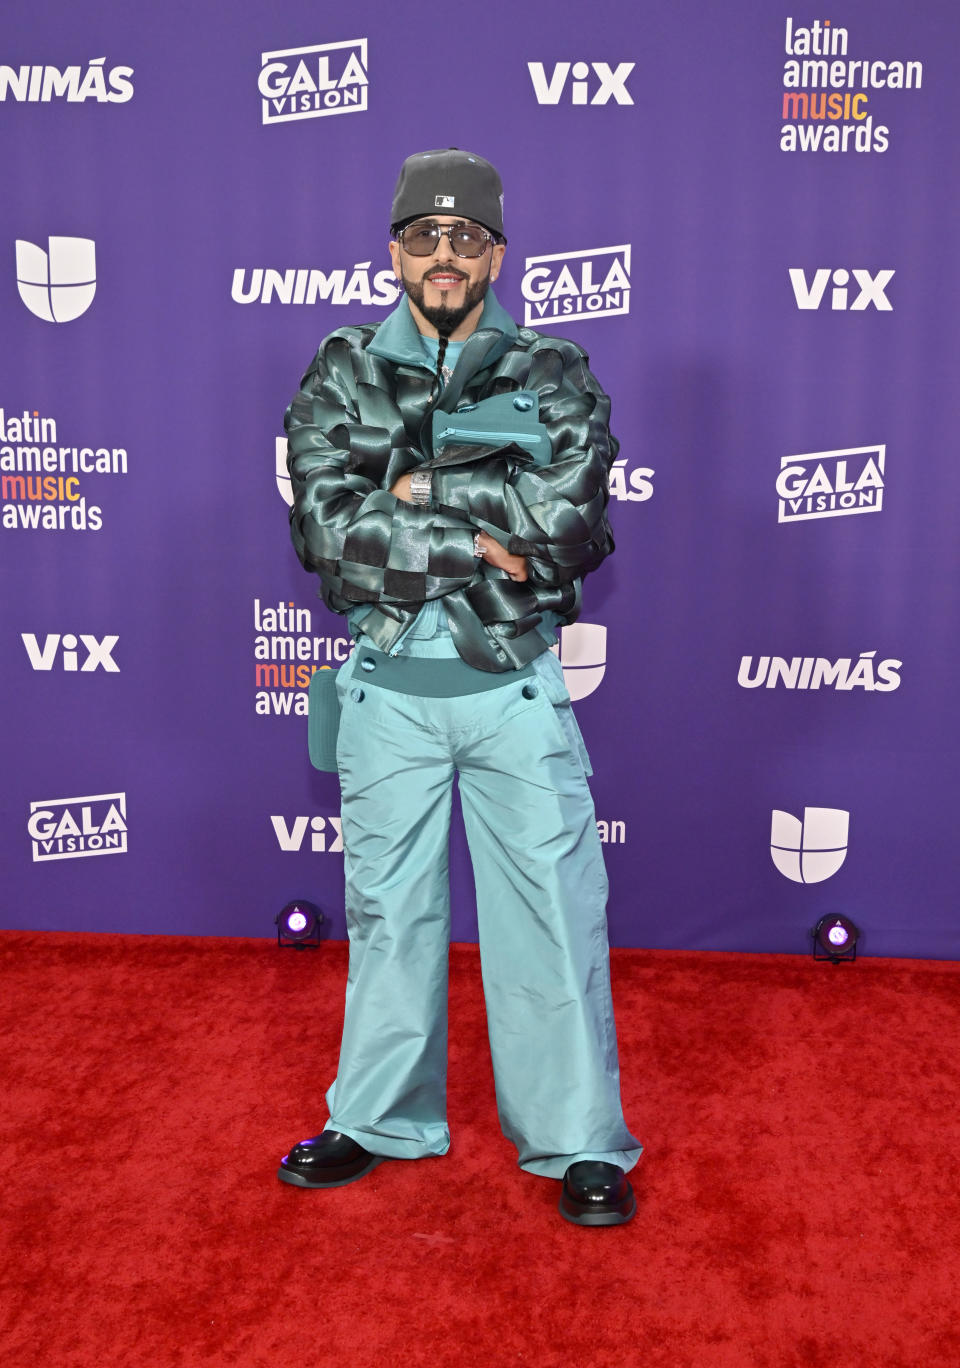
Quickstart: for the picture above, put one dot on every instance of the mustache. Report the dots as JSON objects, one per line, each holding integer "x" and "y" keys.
{"x": 445, "y": 271}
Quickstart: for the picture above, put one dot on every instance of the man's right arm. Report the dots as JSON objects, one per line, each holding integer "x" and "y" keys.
{"x": 367, "y": 545}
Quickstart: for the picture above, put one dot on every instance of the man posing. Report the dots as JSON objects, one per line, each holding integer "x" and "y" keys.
{"x": 450, "y": 484}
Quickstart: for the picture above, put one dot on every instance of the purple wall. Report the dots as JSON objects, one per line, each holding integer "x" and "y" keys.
{"x": 764, "y": 304}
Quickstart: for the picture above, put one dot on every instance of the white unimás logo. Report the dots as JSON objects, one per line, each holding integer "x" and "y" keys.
{"x": 582, "y": 650}
{"x": 817, "y": 672}
{"x": 593, "y": 83}
{"x": 304, "y": 285}
{"x": 631, "y": 486}
{"x": 70, "y": 828}
{"x": 75, "y": 84}
{"x": 63, "y": 651}
{"x": 831, "y": 484}
{"x": 869, "y": 291}
{"x": 326, "y": 835}
{"x": 58, "y": 284}
{"x": 812, "y": 850}
{"x": 311, "y": 82}
{"x": 594, "y": 283}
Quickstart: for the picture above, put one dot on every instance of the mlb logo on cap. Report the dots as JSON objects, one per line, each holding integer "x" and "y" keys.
{"x": 444, "y": 202}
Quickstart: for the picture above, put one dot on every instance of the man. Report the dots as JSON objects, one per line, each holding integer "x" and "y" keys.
{"x": 450, "y": 483}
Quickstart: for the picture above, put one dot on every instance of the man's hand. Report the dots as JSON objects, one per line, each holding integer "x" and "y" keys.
{"x": 500, "y": 558}
{"x": 493, "y": 553}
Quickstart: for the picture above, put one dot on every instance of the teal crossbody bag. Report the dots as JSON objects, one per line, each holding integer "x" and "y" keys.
{"x": 495, "y": 422}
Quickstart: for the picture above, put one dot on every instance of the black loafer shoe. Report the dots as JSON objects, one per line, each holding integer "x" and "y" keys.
{"x": 596, "y": 1194}
{"x": 328, "y": 1160}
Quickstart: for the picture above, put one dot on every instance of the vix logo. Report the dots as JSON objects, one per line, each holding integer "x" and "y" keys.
{"x": 63, "y": 649}
{"x": 291, "y": 837}
{"x": 582, "y": 650}
{"x": 57, "y": 285}
{"x": 871, "y": 289}
{"x": 607, "y": 83}
{"x": 809, "y": 851}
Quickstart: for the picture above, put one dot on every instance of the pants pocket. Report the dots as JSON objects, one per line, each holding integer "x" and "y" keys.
{"x": 549, "y": 674}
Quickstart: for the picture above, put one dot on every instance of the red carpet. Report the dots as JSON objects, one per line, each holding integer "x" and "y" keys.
{"x": 798, "y": 1198}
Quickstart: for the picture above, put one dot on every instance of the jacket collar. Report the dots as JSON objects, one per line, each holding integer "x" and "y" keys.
{"x": 398, "y": 339}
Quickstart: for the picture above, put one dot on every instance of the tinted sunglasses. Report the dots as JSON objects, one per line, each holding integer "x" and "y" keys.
{"x": 422, "y": 238}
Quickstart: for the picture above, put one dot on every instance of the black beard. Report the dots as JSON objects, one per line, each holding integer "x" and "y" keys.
{"x": 444, "y": 319}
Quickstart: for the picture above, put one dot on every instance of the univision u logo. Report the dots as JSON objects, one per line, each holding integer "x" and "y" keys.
{"x": 583, "y": 654}
{"x": 58, "y": 284}
{"x": 812, "y": 850}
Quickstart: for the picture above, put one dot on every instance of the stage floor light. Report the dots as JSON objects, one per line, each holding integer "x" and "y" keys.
{"x": 835, "y": 939}
{"x": 298, "y": 925}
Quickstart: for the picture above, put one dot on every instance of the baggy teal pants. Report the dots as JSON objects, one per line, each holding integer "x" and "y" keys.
{"x": 541, "y": 897}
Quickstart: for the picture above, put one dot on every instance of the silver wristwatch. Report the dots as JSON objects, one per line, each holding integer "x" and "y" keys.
{"x": 420, "y": 485}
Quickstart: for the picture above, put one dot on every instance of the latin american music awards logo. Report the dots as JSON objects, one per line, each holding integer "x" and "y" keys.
{"x": 44, "y": 483}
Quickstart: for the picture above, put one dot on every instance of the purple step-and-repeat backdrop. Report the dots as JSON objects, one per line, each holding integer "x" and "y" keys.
{"x": 745, "y": 213}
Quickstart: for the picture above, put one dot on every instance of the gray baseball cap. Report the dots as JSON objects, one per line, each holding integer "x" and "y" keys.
{"x": 448, "y": 181}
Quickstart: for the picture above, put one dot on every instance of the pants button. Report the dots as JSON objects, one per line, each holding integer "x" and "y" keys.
{"x": 530, "y": 690}
{"x": 357, "y": 695}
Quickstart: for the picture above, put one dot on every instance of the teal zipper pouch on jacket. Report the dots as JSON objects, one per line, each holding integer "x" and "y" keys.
{"x": 499, "y": 421}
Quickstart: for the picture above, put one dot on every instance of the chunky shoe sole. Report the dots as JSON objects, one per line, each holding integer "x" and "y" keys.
{"x": 590, "y": 1216}
{"x": 297, "y": 1179}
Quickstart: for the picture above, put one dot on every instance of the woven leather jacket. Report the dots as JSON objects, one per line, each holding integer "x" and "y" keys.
{"x": 361, "y": 419}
